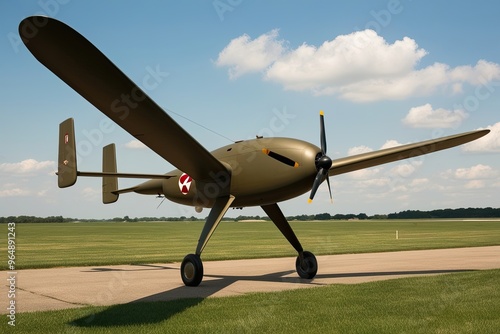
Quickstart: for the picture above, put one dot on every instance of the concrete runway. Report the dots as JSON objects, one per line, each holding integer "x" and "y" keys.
{"x": 60, "y": 288}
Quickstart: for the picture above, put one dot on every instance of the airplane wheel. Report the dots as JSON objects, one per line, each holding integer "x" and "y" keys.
{"x": 308, "y": 267}
{"x": 192, "y": 270}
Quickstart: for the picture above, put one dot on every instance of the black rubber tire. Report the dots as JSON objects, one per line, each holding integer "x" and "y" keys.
{"x": 192, "y": 270}
{"x": 308, "y": 267}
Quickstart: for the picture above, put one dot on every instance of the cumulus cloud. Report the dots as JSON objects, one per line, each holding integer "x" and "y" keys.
{"x": 419, "y": 182}
{"x": 406, "y": 169}
{"x": 475, "y": 184}
{"x": 14, "y": 192}
{"x": 26, "y": 167}
{"x": 363, "y": 174}
{"x": 426, "y": 117}
{"x": 390, "y": 143}
{"x": 135, "y": 144}
{"x": 479, "y": 171}
{"x": 244, "y": 55}
{"x": 365, "y": 149}
{"x": 358, "y": 150}
{"x": 90, "y": 194}
{"x": 361, "y": 66}
{"x": 488, "y": 143}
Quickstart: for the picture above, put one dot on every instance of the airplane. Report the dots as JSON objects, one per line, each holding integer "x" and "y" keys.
{"x": 257, "y": 172}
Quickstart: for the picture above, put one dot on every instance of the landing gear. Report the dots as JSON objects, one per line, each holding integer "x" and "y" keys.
{"x": 192, "y": 270}
{"x": 306, "y": 265}
{"x": 192, "y": 267}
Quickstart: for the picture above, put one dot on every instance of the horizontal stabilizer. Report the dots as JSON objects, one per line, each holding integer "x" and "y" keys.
{"x": 125, "y": 175}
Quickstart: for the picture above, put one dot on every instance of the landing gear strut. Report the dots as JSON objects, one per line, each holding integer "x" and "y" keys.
{"x": 192, "y": 267}
{"x": 306, "y": 264}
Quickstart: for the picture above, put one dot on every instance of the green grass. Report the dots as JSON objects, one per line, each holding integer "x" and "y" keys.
{"x": 453, "y": 303}
{"x": 75, "y": 244}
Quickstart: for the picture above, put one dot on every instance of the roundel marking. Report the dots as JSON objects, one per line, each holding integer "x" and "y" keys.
{"x": 185, "y": 183}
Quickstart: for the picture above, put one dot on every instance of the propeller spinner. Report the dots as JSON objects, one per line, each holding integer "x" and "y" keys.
{"x": 322, "y": 161}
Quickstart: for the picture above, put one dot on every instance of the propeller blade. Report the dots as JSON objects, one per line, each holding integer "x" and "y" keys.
{"x": 322, "y": 162}
{"x": 280, "y": 158}
{"x": 322, "y": 132}
{"x": 317, "y": 181}
{"x": 329, "y": 188}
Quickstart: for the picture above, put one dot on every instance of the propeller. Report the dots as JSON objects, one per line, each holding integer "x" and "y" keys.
{"x": 322, "y": 162}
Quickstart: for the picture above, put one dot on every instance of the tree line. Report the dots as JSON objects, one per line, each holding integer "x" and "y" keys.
{"x": 408, "y": 214}
{"x": 447, "y": 213}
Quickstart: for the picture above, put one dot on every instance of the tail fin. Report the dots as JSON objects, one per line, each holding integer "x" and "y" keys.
{"x": 109, "y": 183}
{"x": 66, "y": 162}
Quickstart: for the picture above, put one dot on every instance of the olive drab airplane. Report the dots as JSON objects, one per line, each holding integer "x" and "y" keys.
{"x": 258, "y": 172}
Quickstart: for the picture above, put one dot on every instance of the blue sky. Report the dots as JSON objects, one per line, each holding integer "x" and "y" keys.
{"x": 384, "y": 72}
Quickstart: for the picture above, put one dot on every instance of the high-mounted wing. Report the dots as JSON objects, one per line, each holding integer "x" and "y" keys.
{"x": 88, "y": 71}
{"x": 370, "y": 159}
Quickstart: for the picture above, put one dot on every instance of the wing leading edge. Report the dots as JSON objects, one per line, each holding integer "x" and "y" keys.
{"x": 371, "y": 159}
{"x": 89, "y": 72}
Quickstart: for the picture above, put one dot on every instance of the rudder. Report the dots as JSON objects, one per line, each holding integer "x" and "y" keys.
{"x": 66, "y": 162}
{"x": 109, "y": 183}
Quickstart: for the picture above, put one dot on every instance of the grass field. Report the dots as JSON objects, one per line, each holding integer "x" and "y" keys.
{"x": 75, "y": 244}
{"x": 454, "y": 303}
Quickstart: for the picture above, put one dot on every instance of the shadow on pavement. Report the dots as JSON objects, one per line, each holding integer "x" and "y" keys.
{"x": 162, "y": 306}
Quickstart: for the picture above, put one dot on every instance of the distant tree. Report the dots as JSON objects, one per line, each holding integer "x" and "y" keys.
{"x": 322, "y": 216}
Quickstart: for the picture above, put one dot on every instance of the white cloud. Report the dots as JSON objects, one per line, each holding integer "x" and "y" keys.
{"x": 243, "y": 55}
{"x": 363, "y": 174}
{"x": 488, "y": 143}
{"x": 358, "y": 150}
{"x": 475, "y": 184}
{"x": 406, "y": 169}
{"x": 419, "y": 182}
{"x": 365, "y": 149}
{"x": 343, "y": 61}
{"x": 361, "y": 66}
{"x": 390, "y": 143}
{"x": 426, "y": 117}
{"x": 376, "y": 182}
{"x": 90, "y": 194}
{"x": 26, "y": 167}
{"x": 473, "y": 173}
{"x": 135, "y": 144}
{"x": 14, "y": 192}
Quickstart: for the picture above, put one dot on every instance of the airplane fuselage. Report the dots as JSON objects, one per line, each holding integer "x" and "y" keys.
{"x": 257, "y": 179}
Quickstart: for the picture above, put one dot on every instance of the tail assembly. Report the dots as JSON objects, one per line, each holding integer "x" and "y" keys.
{"x": 66, "y": 162}
{"x": 67, "y": 168}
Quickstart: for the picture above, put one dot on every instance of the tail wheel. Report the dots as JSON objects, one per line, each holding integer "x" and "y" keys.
{"x": 306, "y": 265}
{"x": 192, "y": 270}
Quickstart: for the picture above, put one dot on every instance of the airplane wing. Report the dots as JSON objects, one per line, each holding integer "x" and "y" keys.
{"x": 370, "y": 159}
{"x": 83, "y": 67}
